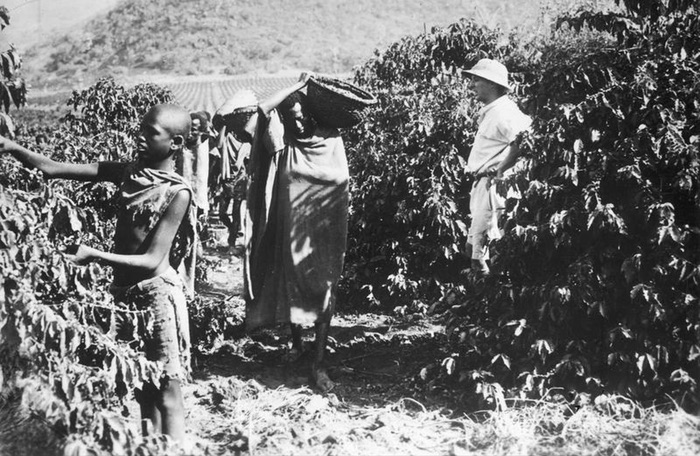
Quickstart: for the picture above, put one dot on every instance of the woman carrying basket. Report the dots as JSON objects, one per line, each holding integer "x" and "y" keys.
{"x": 298, "y": 206}
{"x": 234, "y": 123}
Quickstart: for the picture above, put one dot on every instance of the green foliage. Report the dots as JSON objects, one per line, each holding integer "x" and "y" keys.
{"x": 212, "y": 321}
{"x": 408, "y": 220}
{"x": 595, "y": 284}
{"x": 54, "y": 315}
{"x": 71, "y": 372}
{"x": 654, "y": 9}
{"x": 109, "y": 107}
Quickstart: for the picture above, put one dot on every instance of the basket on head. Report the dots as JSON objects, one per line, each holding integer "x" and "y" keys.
{"x": 336, "y": 103}
{"x": 237, "y": 120}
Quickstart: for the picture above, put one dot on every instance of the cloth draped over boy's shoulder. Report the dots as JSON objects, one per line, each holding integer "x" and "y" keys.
{"x": 145, "y": 194}
{"x": 297, "y": 227}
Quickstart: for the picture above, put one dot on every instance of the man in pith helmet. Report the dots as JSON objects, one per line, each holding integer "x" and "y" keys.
{"x": 495, "y": 150}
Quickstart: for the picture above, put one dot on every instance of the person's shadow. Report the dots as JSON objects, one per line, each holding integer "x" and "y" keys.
{"x": 373, "y": 361}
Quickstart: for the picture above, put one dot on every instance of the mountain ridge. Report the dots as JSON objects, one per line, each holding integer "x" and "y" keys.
{"x": 146, "y": 37}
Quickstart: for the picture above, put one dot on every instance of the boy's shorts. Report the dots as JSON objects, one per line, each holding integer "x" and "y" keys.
{"x": 151, "y": 316}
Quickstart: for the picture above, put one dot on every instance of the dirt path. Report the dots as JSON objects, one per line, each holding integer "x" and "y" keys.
{"x": 246, "y": 399}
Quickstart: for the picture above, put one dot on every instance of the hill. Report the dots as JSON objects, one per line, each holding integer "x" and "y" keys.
{"x": 39, "y": 21}
{"x": 244, "y": 36}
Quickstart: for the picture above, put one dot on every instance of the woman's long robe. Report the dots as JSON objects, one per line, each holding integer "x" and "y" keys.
{"x": 296, "y": 232}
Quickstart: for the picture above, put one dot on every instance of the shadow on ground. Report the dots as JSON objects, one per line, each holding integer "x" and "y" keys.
{"x": 371, "y": 360}
{"x": 374, "y": 359}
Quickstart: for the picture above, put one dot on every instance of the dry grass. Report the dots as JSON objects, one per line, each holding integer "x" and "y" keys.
{"x": 245, "y": 403}
{"x": 233, "y": 416}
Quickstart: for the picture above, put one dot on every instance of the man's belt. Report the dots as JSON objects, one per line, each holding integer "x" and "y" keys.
{"x": 489, "y": 173}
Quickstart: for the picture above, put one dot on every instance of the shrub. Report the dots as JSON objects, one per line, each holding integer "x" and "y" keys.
{"x": 53, "y": 314}
{"x": 408, "y": 215}
{"x": 595, "y": 284}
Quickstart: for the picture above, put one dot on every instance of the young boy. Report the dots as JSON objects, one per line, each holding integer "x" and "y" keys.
{"x": 152, "y": 232}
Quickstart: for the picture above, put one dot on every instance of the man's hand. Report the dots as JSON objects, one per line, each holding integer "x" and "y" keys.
{"x": 304, "y": 77}
{"x": 79, "y": 254}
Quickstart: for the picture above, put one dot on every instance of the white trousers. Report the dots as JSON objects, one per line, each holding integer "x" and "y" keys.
{"x": 485, "y": 206}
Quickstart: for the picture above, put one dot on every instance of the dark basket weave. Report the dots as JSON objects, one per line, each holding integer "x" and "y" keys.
{"x": 336, "y": 103}
{"x": 236, "y": 121}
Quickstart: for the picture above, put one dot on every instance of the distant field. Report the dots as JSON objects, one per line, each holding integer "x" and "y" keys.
{"x": 194, "y": 93}
{"x": 144, "y": 38}
{"x": 200, "y": 95}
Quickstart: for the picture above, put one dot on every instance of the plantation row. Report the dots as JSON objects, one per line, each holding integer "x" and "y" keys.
{"x": 196, "y": 94}
{"x": 206, "y": 95}
{"x": 193, "y": 94}
{"x": 209, "y": 95}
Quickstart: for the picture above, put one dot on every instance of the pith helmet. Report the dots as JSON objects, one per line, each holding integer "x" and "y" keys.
{"x": 490, "y": 70}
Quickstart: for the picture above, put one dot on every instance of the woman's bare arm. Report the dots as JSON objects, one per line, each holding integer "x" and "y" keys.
{"x": 278, "y": 97}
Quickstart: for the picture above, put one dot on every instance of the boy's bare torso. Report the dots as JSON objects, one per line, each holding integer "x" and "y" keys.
{"x": 131, "y": 238}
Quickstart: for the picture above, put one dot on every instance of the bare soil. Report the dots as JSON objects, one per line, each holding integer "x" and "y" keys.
{"x": 247, "y": 399}
{"x": 374, "y": 360}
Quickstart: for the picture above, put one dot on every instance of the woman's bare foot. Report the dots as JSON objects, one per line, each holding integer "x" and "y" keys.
{"x": 319, "y": 377}
{"x": 293, "y": 355}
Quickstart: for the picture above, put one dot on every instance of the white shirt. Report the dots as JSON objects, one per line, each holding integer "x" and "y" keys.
{"x": 500, "y": 122}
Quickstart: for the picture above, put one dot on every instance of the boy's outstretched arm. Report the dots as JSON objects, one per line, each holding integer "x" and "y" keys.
{"x": 53, "y": 169}
{"x": 156, "y": 248}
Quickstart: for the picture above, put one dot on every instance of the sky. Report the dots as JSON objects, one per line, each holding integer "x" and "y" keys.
{"x": 33, "y": 21}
